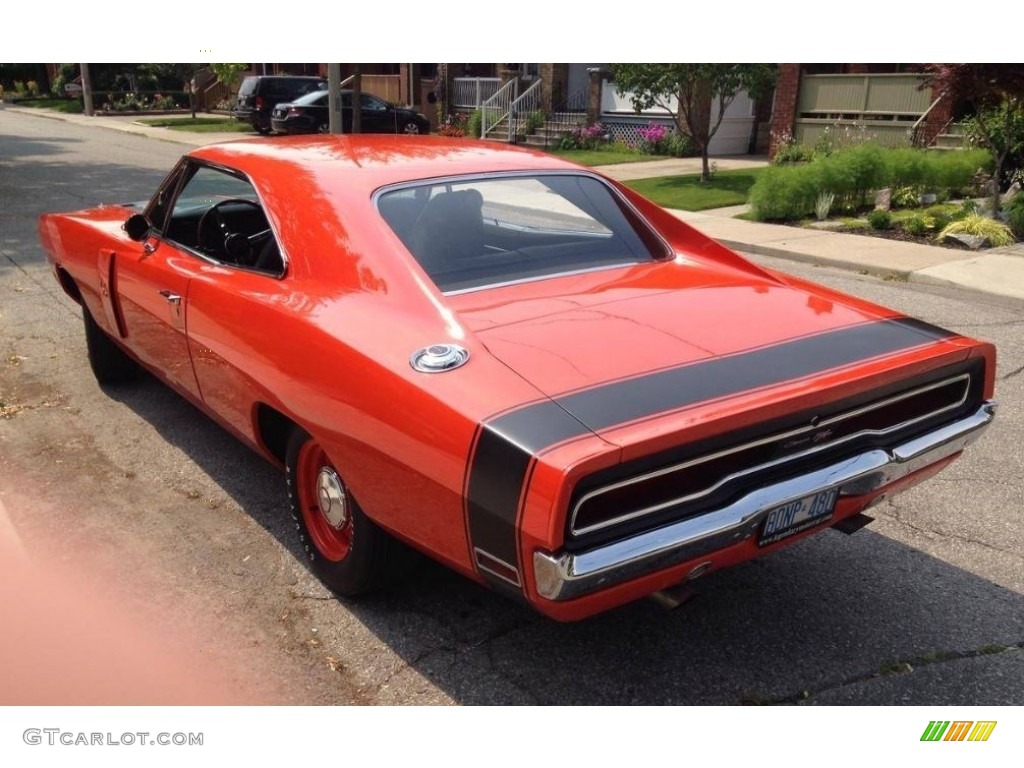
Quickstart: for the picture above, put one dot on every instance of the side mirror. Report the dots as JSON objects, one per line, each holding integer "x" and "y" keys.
{"x": 137, "y": 227}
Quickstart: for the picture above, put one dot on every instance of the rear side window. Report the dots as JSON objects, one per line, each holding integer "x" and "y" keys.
{"x": 474, "y": 233}
{"x": 248, "y": 86}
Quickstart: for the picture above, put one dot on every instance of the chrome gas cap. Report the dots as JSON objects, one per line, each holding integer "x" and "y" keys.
{"x": 438, "y": 358}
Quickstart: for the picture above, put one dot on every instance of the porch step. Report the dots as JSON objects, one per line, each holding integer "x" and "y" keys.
{"x": 949, "y": 141}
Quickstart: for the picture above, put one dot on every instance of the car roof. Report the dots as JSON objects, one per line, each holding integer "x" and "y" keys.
{"x": 372, "y": 161}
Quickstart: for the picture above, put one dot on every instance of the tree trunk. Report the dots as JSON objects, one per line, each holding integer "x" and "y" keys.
{"x": 86, "y": 89}
{"x": 997, "y": 173}
{"x": 357, "y": 98}
{"x": 705, "y": 166}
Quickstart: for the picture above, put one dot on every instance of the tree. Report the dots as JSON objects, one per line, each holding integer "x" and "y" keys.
{"x": 996, "y": 91}
{"x": 181, "y": 73}
{"x": 228, "y": 74}
{"x": 688, "y": 91}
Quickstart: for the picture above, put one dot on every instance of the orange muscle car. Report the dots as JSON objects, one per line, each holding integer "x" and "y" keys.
{"x": 510, "y": 363}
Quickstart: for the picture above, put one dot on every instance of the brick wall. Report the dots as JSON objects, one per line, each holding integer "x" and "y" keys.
{"x": 937, "y": 119}
{"x": 787, "y": 96}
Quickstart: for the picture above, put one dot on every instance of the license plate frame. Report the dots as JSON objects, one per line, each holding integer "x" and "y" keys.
{"x": 798, "y": 515}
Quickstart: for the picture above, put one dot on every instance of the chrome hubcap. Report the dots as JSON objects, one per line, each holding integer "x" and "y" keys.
{"x": 331, "y": 497}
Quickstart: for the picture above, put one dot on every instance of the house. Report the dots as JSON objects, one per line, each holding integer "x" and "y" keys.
{"x": 572, "y": 94}
{"x": 889, "y": 103}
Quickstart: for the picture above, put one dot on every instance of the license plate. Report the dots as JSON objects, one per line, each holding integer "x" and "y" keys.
{"x": 798, "y": 515}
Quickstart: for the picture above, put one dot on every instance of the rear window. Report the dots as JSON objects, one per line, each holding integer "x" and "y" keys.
{"x": 482, "y": 232}
{"x": 248, "y": 86}
{"x": 316, "y": 98}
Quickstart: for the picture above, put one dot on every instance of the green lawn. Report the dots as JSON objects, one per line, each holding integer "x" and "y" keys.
{"x": 59, "y": 105}
{"x": 687, "y": 193}
{"x": 593, "y": 157}
{"x": 200, "y": 124}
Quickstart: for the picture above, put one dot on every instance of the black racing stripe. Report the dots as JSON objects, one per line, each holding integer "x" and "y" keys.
{"x": 498, "y": 466}
{"x": 669, "y": 390}
{"x": 498, "y": 469}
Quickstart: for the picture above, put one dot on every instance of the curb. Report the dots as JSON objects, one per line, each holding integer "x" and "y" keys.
{"x": 805, "y": 258}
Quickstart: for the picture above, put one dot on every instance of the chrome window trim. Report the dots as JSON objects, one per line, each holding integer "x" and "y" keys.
{"x": 668, "y": 254}
{"x": 966, "y": 377}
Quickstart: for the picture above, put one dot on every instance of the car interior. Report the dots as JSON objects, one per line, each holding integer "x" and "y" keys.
{"x": 468, "y": 236}
{"x": 219, "y": 216}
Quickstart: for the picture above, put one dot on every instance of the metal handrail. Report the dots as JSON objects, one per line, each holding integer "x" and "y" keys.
{"x": 527, "y": 102}
{"x": 496, "y": 108}
{"x": 566, "y": 116}
{"x": 914, "y": 131}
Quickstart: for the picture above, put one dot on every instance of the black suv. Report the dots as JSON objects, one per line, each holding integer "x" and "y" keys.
{"x": 259, "y": 94}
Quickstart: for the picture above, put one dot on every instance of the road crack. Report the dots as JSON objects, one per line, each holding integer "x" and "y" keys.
{"x": 927, "y": 532}
{"x": 893, "y": 669}
{"x": 1011, "y": 374}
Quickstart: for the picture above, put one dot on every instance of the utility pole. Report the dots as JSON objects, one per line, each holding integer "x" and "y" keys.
{"x": 86, "y": 89}
{"x": 334, "y": 98}
{"x": 357, "y": 98}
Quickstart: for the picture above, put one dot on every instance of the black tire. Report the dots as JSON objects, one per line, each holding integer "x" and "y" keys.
{"x": 109, "y": 363}
{"x": 263, "y": 130}
{"x": 411, "y": 128}
{"x": 352, "y": 558}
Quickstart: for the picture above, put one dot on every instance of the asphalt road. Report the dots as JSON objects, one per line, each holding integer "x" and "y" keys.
{"x": 926, "y": 606}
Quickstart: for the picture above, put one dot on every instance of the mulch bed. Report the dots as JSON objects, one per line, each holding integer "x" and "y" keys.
{"x": 906, "y": 237}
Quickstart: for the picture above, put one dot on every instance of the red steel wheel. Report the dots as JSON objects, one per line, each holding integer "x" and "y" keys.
{"x": 343, "y": 547}
{"x": 323, "y": 502}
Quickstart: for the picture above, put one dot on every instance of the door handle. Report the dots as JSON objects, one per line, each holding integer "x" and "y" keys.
{"x": 172, "y": 298}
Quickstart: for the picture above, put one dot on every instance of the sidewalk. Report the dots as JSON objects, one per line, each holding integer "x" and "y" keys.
{"x": 677, "y": 166}
{"x": 998, "y": 271}
{"x": 128, "y": 124}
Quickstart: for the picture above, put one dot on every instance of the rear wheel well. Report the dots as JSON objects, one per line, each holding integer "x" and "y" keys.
{"x": 274, "y": 429}
{"x": 67, "y": 282}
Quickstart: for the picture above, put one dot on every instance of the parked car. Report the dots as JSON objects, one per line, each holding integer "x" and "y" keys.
{"x": 510, "y": 363}
{"x": 309, "y": 114}
{"x": 259, "y": 94}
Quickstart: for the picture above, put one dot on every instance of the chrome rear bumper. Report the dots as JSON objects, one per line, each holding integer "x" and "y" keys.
{"x": 567, "y": 575}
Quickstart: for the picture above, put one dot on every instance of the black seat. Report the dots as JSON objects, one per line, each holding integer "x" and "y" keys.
{"x": 449, "y": 231}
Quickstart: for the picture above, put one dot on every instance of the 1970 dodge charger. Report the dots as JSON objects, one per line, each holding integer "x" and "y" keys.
{"x": 512, "y": 364}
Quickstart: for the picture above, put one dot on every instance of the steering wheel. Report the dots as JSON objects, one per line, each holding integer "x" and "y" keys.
{"x": 238, "y": 245}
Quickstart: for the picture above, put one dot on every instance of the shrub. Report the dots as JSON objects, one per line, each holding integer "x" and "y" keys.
{"x": 454, "y": 127}
{"x": 474, "y": 124}
{"x": 652, "y": 138}
{"x": 940, "y": 214}
{"x": 954, "y": 171}
{"x": 678, "y": 145}
{"x": 535, "y": 120}
{"x": 164, "y": 102}
{"x": 997, "y": 233}
{"x": 585, "y": 137}
{"x": 786, "y": 192}
{"x": 32, "y": 87}
{"x": 916, "y": 225}
{"x": 792, "y": 153}
{"x": 1015, "y": 219}
{"x": 967, "y": 207}
{"x": 880, "y": 220}
{"x": 853, "y": 172}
